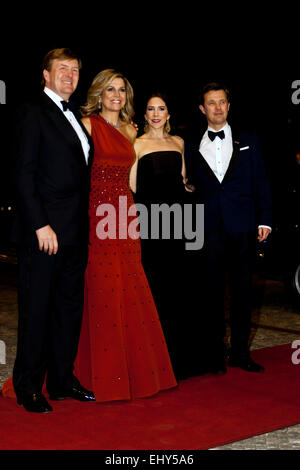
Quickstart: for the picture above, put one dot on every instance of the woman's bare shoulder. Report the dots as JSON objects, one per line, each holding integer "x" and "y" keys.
{"x": 131, "y": 132}
{"x": 177, "y": 142}
{"x": 178, "y": 139}
{"x": 87, "y": 124}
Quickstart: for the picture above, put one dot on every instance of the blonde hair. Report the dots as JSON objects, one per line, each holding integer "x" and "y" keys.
{"x": 100, "y": 82}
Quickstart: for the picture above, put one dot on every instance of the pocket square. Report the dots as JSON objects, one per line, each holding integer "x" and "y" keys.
{"x": 244, "y": 148}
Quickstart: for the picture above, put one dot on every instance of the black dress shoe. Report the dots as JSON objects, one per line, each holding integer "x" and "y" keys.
{"x": 246, "y": 364}
{"x": 35, "y": 403}
{"x": 77, "y": 392}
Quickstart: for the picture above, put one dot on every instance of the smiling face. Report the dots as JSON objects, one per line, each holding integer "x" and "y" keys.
{"x": 157, "y": 113}
{"x": 63, "y": 77}
{"x": 114, "y": 96}
{"x": 215, "y": 108}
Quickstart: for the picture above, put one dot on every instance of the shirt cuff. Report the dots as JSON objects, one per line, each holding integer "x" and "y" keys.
{"x": 265, "y": 226}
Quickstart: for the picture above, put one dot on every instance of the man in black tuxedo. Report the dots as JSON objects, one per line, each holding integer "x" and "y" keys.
{"x": 228, "y": 173}
{"x": 51, "y": 232}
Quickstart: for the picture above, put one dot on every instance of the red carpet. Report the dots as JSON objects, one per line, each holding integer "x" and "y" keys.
{"x": 203, "y": 412}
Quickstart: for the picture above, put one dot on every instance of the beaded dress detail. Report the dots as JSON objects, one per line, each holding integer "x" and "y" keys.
{"x": 122, "y": 351}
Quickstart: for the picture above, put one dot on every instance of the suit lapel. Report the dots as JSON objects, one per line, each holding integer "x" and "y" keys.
{"x": 234, "y": 158}
{"x": 205, "y": 166}
{"x": 89, "y": 138}
{"x": 232, "y": 163}
{"x": 63, "y": 126}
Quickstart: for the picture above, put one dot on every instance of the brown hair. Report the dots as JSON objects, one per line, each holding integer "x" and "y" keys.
{"x": 61, "y": 54}
{"x": 164, "y": 98}
{"x": 213, "y": 86}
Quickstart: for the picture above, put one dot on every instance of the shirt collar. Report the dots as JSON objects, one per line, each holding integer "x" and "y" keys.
{"x": 54, "y": 97}
{"x": 226, "y": 128}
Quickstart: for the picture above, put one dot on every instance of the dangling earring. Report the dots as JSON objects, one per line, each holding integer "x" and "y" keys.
{"x": 99, "y": 105}
{"x": 167, "y": 126}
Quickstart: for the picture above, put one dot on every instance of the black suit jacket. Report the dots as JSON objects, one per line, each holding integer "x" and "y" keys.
{"x": 52, "y": 177}
{"x": 242, "y": 201}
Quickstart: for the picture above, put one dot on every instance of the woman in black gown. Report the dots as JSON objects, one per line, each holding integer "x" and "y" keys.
{"x": 158, "y": 177}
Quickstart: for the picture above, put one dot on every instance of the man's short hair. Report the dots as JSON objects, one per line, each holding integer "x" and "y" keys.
{"x": 61, "y": 54}
{"x": 213, "y": 86}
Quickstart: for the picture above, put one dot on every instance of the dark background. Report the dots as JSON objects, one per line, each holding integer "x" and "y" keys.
{"x": 260, "y": 99}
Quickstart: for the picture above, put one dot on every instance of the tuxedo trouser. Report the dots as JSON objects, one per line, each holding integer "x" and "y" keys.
{"x": 228, "y": 262}
{"x": 50, "y": 301}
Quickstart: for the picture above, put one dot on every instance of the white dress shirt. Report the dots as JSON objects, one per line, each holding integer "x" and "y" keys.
{"x": 73, "y": 121}
{"x": 218, "y": 153}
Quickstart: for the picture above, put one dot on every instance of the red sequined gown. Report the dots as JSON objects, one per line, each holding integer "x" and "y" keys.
{"x": 122, "y": 352}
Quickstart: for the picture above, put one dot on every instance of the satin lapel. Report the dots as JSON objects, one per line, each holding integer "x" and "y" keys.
{"x": 208, "y": 169}
{"x": 89, "y": 138}
{"x": 234, "y": 158}
{"x": 204, "y": 164}
{"x": 63, "y": 126}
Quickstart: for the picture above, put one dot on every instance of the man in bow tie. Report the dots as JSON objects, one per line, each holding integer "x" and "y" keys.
{"x": 51, "y": 233}
{"x": 228, "y": 173}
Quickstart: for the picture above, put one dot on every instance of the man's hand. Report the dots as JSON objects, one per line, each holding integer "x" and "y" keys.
{"x": 47, "y": 240}
{"x": 134, "y": 124}
{"x": 263, "y": 233}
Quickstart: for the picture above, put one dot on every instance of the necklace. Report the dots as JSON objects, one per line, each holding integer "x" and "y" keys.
{"x": 116, "y": 126}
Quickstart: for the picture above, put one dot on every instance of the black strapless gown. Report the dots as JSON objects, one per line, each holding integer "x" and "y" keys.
{"x": 159, "y": 181}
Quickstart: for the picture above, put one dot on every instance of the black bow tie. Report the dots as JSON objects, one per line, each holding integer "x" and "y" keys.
{"x": 212, "y": 135}
{"x": 67, "y": 105}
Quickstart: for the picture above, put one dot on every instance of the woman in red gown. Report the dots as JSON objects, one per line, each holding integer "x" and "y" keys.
{"x": 122, "y": 351}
